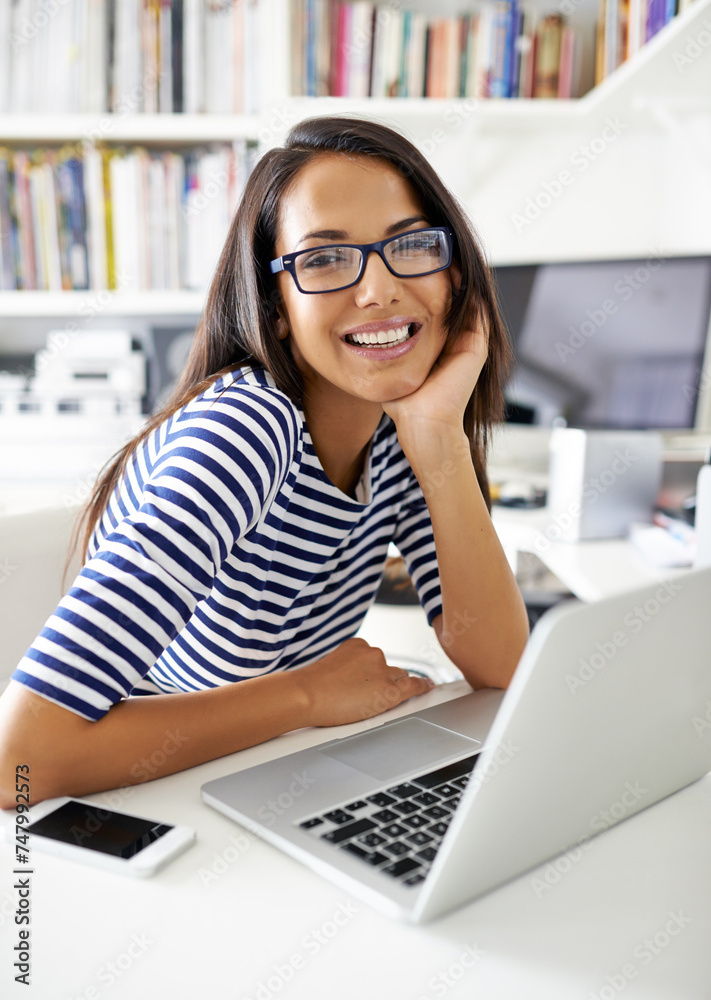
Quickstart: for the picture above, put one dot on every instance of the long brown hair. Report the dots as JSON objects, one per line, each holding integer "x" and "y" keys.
{"x": 238, "y": 323}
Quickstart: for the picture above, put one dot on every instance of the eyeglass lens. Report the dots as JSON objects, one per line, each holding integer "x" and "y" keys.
{"x": 330, "y": 268}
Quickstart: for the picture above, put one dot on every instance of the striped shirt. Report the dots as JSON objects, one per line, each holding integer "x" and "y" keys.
{"x": 225, "y": 552}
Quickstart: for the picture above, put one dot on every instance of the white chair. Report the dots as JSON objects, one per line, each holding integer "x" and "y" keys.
{"x": 33, "y": 552}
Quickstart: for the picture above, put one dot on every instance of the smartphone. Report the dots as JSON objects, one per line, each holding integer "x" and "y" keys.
{"x": 85, "y": 832}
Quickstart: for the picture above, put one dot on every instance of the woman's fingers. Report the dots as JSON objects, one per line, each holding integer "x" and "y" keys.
{"x": 355, "y": 682}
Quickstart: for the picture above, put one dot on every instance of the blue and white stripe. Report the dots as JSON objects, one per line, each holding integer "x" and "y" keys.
{"x": 227, "y": 553}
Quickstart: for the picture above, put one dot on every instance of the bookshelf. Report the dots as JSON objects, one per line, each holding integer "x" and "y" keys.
{"x": 649, "y": 89}
{"x": 154, "y": 128}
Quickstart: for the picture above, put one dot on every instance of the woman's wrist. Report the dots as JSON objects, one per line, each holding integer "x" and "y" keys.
{"x": 429, "y": 448}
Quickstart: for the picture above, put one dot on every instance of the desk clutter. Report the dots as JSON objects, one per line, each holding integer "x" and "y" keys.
{"x": 601, "y": 482}
{"x": 62, "y": 420}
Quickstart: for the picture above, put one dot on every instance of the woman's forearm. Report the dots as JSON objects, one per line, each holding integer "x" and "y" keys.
{"x": 148, "y": 737}
{"x": 140, "y": 738}
{"x": 484, "y": 625}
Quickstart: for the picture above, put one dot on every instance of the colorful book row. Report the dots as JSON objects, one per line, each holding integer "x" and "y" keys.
{"x": 363, "y": 50}
{"x": 129, "y": 56}
{"x": 87, "y": 218}
{"x": 624, "y": 26}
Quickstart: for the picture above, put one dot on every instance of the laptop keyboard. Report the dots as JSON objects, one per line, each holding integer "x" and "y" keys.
{"x": 399, "y": 829}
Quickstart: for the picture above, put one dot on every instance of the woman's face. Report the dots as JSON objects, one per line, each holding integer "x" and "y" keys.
{"x": 358, "y": 200}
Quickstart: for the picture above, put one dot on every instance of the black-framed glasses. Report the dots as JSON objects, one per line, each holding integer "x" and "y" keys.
{"x": 339, "y": 265}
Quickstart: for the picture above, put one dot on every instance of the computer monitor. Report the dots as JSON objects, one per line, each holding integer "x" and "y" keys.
{"x": 609, "y": 344}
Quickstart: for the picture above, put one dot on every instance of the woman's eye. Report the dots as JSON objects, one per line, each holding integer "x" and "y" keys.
{"x": 330, "y": 258}
{"x": 418, "y": 246}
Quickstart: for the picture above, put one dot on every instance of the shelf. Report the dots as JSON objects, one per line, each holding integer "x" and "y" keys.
{"x": 638, "y": 76}
{"x": 635, "y": 87}
{"x": 173, "y": 129}
{"x": 91, "y": 305}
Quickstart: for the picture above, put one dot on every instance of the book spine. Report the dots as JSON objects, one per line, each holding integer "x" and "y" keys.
{"x": 611, "y": 35}
{"x": 343, "y": 54}
{"x": 513, "y": 50}
{"x": 176, "y": 50}
{"x": 501, "y": 20}
{"x": 567, "y": 52}
{"x": 95, "y": 217}
{"x": 323, "y": 46}
{"x": 62, "y": 202}
{"x": 310, "y": 10}
{"x": 51, "y": 222}
{"x": 165, "y": 57}
{"x": 110, "y": 192}
{"x": 451, "y": 67}
{"x": 403, "y": 79}
{"x": 8, "y": 279}
{"x": 80, "y": 249}
{"x": 239, "y": 60}
{"x": 25, "y": 221}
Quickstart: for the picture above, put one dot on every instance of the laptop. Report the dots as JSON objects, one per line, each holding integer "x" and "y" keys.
{"x": 609, "y": 710}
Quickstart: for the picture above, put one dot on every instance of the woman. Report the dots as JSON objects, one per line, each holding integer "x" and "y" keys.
{"x": 338, "y": 396}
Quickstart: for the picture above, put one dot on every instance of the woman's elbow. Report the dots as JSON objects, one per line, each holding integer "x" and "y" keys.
{"x": 30, "y": 747}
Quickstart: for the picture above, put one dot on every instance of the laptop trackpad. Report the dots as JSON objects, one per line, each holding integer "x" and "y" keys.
{"x": 399, "y": 747}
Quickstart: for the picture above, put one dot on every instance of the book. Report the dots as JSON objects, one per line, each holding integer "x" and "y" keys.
{"x": 8, "y": 276}
{"x": 548, "y": 35}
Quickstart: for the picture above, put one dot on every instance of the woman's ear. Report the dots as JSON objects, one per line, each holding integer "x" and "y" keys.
{"x": 282, "y": 327}
{"x": 455, "y": 276}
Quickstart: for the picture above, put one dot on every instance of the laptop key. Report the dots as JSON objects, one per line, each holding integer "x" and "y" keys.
{"x": 406, "y": 807}
{"x": 405, "y": 790}
{"x": 460, "y": 782}
{"x": 437, "y": 812}
{"x": 308, "y": 823}
{"x": 355, "y": 806}
{"x": 371, "y": 840}
{"x": 385, "y": 816}
{"x": 419, "y": 838}
{"x": 393, "y": 830}
{"x": 402, "y": 867}
{"x": 338, "y": 816}
{"x": 427, "y": 854}
{"x": 414, "y": 822}
{"x": 397, "y": 848}
{"x": 446, "y": 790}
{"x": 414, "y": 879}
{"x": 426, "y": 798}
{"x": 371, "y": 857}
{"x": 380, "y": 799}
{"x": 342, "y": 833}
{"x": 439, "y": 829}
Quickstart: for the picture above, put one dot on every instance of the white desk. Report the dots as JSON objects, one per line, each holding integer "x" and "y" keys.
{"x": 591, "y": 570}
{"x": 233, "y": 918}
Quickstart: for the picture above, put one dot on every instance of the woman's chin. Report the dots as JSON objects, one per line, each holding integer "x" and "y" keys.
{"x": 400, "y": 387}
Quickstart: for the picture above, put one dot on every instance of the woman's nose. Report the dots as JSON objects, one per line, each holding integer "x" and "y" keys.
{"x": 378, "y": 285}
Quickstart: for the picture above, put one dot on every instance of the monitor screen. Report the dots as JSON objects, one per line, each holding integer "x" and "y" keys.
{"x": 607, "y": 344}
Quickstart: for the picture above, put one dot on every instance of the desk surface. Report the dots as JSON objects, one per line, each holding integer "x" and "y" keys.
{"x": 234, "y": 918}
{"x": 591, "y": 570}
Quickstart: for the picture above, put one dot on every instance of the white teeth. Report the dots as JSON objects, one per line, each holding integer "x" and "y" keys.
{"x": 397, "y": 336}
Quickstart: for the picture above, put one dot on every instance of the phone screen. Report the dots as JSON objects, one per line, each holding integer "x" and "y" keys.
{"x": 98, "y": 829}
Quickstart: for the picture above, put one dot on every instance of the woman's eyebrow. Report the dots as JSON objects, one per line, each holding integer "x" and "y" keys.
{"x": 341, "y": 234}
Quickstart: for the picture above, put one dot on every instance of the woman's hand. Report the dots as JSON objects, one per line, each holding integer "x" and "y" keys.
{"x": 352, "y": 683}
{"x": 443, "y": 396}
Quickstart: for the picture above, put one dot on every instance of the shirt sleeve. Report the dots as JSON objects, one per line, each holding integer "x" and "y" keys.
{"x": 215, "y": 474}
{"x": 414, "y": 539}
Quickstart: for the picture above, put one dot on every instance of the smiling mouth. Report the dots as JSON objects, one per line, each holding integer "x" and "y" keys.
{"x": 383, "y": 338}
